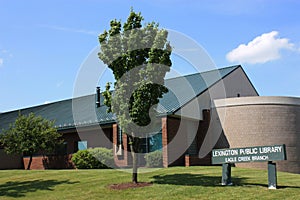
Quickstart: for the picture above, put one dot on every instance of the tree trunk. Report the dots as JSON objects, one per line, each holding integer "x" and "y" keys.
{"x": 30, "y": 161}
{"x": 134, "y": 167}
{"x": 134, "y": 147}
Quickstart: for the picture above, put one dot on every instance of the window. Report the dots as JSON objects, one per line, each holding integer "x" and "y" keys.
{"x": 155, "y": 142}
{"x": 151, "y": 143}
{"x": 82, "y": 145}
{"x": 119, "y": 136}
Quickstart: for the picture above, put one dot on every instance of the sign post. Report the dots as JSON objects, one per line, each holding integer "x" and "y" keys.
{"x": 272, "y": 176}
{"x": 226, "y": 174}
{"x": 249, "y": 154}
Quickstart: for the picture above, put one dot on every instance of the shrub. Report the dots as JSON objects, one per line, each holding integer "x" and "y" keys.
{"x": 97, "y": 158}
{"x": 154, "y": 159}
{"x": 83, "y": 159}
{"x": 104, "y": 156}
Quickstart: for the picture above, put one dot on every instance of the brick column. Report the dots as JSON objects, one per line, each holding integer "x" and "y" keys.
{"x": 165, "y": 141}
{"x": 126, "y": 152}
{"x": 187, "y": 160}
{"x": 115, "y": 134}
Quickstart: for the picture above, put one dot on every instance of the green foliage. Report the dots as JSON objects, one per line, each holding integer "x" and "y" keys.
{"x": 104, "y": 156}
{"x": 97, "y": 158}
{"x": 154, "y": 159}
{"x": 83, "y": 159}
{"x": 30, "y": 134}
{"x": 139, "y": 57}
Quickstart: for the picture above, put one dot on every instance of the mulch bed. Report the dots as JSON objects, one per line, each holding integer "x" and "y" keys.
{"x": 124, "y": 186}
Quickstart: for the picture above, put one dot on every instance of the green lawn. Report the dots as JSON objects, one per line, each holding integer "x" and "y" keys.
{"x": 171, "y": 183}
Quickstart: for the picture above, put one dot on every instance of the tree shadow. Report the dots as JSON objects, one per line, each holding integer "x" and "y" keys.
{"x": 20, "y": 188}
{"x": 187, "y": 179}
{"x": 193, "y": 180}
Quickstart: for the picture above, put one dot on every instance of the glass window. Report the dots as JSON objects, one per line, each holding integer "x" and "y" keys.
{"x": 82, "y": 145}
{"x": 151, "y": 143}
{"x": 119, "y": 136}
{"x": 155, "y": 142}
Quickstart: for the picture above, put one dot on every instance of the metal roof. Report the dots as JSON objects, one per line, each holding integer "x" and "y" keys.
{"x": 185, "y": 88}
{"x": 181, "y": 90}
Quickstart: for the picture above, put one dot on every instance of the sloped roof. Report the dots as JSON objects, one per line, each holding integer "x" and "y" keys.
{"x": 62, "y": 111}
{"x": 185, "y": 88}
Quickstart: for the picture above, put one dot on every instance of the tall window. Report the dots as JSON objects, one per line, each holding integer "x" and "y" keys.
{"x": 119, "y": 136}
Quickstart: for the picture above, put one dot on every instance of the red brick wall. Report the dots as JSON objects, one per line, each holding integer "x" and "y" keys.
{"x": 165, "y": 141}
{"x": 49, "y": 162}
{"x": 123, "y": 160}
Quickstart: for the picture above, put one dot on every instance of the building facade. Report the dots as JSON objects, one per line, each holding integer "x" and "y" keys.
{"x": 189, "y": 123}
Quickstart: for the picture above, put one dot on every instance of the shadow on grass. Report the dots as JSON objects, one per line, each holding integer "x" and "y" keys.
{"x": 203, "y": 180}
{"x": 20, "y": 188}
{"x": 193, "y": 180}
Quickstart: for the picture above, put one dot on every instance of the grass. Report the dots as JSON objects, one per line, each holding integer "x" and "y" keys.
{"x": 171, "y": 183}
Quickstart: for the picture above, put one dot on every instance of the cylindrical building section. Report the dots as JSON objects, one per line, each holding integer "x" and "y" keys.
{"x": 260, "y": 121}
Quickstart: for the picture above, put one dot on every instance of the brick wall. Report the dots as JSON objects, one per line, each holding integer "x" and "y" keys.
{"x": 266, "y": 122}
{"x": 165, "y": 141}
{"x": 49, "y": 162}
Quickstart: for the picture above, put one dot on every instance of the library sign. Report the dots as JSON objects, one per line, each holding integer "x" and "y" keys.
{"x": 227, "y": 157}
{"x": 249, "y": 154}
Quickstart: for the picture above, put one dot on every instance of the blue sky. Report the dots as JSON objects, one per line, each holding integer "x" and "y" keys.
{"x": 44, "y": 43}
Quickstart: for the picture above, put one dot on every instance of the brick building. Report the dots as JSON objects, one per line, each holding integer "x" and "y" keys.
{"x": 186, "y": 131}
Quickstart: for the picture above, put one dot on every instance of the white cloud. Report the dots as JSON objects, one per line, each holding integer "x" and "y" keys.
{"x": 1, "y": 61}
{"x": 262, "y": 49}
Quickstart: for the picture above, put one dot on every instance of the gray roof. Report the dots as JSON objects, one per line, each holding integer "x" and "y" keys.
{"x": 62, "y": 112}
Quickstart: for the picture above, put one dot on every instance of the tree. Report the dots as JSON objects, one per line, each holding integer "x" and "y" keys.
{"x": 29, "y": 135}
{"x": 139, "y": 57}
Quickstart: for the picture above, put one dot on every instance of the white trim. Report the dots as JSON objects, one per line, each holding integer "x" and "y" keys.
{"x": 257, "y": 100}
